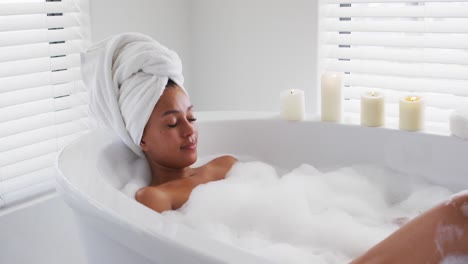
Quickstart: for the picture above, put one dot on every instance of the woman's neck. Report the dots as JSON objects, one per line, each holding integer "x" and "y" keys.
{"x": 161, "y": 174}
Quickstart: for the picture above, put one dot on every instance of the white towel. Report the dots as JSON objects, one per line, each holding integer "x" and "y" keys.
{"x": 125, "y": 75}
{"x": 459, "y": 122}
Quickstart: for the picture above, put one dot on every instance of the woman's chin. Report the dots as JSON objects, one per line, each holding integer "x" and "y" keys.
{"x": 193, "y": 159}
{"x": 189, "y": 159}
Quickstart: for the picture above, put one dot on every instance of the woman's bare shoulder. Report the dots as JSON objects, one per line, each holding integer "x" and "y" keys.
{"x": 154, "y": 198}
{"x": 226, "y": 160}
{"x": 217, "y": 168}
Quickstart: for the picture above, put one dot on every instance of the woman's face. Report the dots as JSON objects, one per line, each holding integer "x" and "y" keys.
{"x": 170, "y": 136}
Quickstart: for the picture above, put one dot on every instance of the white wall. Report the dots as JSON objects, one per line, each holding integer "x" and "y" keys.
{"x": 237, "y": 55}
{"x": 245, "y": 52}
{"x": 164, "y": 20}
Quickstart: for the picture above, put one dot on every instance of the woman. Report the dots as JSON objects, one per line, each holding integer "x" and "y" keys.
{"x": 170, "y": 145}
{"x": 136, "y": 89}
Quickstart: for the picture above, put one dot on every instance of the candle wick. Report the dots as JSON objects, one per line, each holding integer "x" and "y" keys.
{"x": 291, "y": 92}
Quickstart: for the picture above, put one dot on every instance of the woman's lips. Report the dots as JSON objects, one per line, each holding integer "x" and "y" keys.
{"x": 190, "y": 146}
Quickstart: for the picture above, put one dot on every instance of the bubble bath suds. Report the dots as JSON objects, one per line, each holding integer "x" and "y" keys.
{"x": 464, "y": 209}
{"x": 455, "y": 259}
{"x": 445, "y": 234}
{"x": 306, "y": 216}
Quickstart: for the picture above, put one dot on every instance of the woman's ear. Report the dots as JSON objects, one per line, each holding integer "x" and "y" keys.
{"x": 143, "y": 145}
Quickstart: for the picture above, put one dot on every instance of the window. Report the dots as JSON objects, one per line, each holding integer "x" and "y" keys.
{"x": 43, "y": 104}
{"x": 398, "y": 47}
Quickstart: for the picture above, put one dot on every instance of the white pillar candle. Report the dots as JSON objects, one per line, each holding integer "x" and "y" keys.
{"x": 412, "y": 113}
{"x": 292, "y": 104}
{"x": 372, "y": 109}
{"x": 331, "y": 84}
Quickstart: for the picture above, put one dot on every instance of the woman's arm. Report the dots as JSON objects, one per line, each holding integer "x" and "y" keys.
{"x": 428, "y": 238}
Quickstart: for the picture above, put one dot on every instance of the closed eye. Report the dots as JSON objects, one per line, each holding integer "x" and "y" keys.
{"x": 189, "y": 119}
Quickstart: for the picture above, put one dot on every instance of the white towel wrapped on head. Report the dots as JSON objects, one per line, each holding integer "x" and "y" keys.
{"x": 125, "y": 75}
{"x": 459, "y": 123}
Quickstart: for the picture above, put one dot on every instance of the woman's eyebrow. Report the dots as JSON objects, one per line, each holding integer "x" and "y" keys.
{"x": 175, "y": 111}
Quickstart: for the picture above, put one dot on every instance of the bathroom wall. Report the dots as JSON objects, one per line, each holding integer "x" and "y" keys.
{"x": 245, "y": 52}
{"x": 237, "y": 55}
{"x": 165, "y": 20}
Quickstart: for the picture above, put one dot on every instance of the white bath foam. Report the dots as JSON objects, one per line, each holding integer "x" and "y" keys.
{"x": 464, "y": 209}
{"x": 305, "y": 216}
{"x": 458, "y": 194}
{"x": 455, "y": 259}
{"x": 445, "y": 234}
{"x": 422, "y": 198}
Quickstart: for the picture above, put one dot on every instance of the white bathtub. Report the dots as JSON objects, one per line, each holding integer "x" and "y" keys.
{"x": 117, "y": 229}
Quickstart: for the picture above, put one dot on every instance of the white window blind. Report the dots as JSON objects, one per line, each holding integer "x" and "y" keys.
{"x": 43, "y": 104}
{"x": 398, "y": 47}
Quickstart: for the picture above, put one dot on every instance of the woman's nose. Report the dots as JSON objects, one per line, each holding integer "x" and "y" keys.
{"x": 189, "y": 129}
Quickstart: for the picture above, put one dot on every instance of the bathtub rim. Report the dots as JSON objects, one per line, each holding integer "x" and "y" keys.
{"x": 432, "y": 129}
